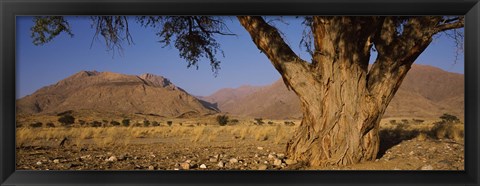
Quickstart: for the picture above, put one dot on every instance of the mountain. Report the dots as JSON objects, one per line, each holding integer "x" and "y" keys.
{"x": 426, "y": 92}
{"x": 113, "y": 92}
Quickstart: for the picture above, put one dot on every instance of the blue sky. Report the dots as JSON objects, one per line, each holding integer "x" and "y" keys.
{"x": 243, "y": 64}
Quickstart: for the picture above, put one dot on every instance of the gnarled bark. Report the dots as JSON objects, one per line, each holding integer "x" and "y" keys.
{"x": 342, "y": 100}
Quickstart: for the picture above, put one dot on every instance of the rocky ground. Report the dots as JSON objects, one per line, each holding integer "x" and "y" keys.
{"x": 181, "y": 154}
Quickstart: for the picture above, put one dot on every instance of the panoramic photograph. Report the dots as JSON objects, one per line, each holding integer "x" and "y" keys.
{"x": 240, "y": 93}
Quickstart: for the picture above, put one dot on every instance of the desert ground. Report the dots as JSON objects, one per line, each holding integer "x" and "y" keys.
{"x": 156, "y": 143}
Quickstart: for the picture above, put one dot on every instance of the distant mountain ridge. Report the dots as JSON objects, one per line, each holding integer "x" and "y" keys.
{"x": 426, "y": 92}
{"x": 113, "y": 92}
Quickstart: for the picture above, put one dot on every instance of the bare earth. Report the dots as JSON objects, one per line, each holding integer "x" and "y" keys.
{"x": 213, "y": 147}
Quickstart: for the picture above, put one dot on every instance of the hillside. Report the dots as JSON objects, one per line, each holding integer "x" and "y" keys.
{"x": 112, "y": 92}
{"x": 426, "y": 92}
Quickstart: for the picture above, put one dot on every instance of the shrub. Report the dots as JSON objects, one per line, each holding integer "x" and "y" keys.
{"x": 36, "y": 125}
{"x": 393, "y": 122}
{"x": 169, "y": 123}
{"x": 155, "y": 123}
{"x": 443, "y": 129}
{"x": 126, "y": 122}
{"x": 289, "y": 123}
{"x": 50, "y": 125}
{"x": 405, "y": 121}
{"x": 146, "y": 123}
{"x": 234, "y": 121}
{"x": 259, "y": 121}
{"x": 114, "y": 123}
{"x": 66, "y": 119}
{"x": 270, "y": 122}
{"x": 96, "y": 124}
{"x": 82, "y": 122}
{"x": 222, "y": 120}
{"x": 449, "y": 118}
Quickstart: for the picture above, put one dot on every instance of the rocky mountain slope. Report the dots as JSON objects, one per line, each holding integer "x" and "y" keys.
{"x": 426, "y": 92}
{"x": 112, "y": 92}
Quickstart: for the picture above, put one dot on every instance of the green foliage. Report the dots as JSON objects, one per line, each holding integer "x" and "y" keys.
{"x": 126, "y": 122}
{"x": 222, "y": 120}
{"x": 48, "y": 27}
{"x": 449, "y": 118}
{"x": 191, "y": 35}
{"x": 66, "y": 119}
{"x": 169, "y": 123}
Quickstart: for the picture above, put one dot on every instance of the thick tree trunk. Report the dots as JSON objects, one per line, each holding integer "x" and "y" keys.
{"x": 342, "y": 100}
{"x": 340, "y": 119}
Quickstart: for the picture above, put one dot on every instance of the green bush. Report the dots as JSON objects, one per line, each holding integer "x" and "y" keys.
{"x": 222, "y": 120}
{"x": 169, "y": 123}
{"x": 449, "y": 118}
{"x": 66, "y": 119}
{"x": 126, "y": 122}
{"x": 146, "y": 123}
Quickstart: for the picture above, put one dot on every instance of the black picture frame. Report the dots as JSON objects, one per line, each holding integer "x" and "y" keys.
{"x": 10, "y": 8}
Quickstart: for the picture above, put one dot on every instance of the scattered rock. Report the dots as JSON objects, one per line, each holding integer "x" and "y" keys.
{"x": 277, "y": 162}
{"x": 112, "y": 159}
{"x": 233, "y": 161}
{"x": 203, "y": 166}
{"x": 56, "y": 161}
{"x": 151, "y": 167}
{"x": 39, "y": 163}
{"x": 213, "y": 159}
{"x": 262, "y": 167}
{"x": 260, "y": 148}
{"x": 290, "y": 162}
{"x": 281, "y": 156}
{"x": 427, "y": 167}
{"x": 271, "y": 156}
{"x": 221, "y": 164}
{"x": 185, "y": 166}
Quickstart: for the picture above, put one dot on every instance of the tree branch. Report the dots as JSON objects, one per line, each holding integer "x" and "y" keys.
{"x": 269, "y": 41}
{"x": 449, "y": 25}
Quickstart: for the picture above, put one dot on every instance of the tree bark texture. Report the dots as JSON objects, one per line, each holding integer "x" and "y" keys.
{"x": 342, "y": 99}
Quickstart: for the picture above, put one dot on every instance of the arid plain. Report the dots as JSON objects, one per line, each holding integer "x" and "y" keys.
{"x": 108, "y": 121}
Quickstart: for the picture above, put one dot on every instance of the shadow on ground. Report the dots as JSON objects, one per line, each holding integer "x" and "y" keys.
{"x": 394, "y": 136}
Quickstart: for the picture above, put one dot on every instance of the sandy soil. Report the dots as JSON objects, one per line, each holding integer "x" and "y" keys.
{"x": 229, "y": 149}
